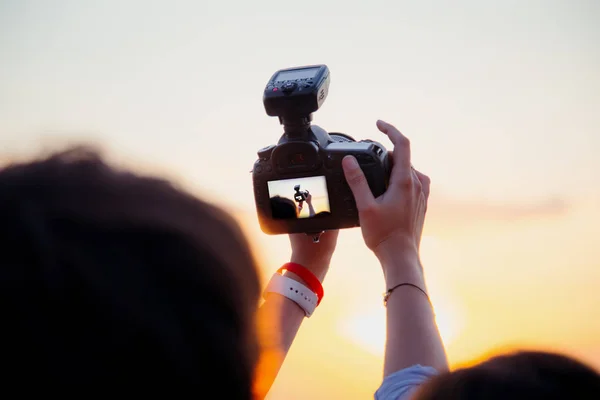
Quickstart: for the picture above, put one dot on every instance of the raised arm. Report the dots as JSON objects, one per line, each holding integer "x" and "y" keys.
{"x": 311, "y": 209}
{"x": 279, "y": 318}
{"x": 392, "y": 225}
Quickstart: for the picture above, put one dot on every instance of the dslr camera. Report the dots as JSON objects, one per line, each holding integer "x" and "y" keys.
{"x": 308, "y": 156}
{"x": 300, "y": 196}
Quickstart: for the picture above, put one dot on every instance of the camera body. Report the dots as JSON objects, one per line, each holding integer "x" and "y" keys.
{"x": 309, "y": 157}
{"x": 300, "y": 196}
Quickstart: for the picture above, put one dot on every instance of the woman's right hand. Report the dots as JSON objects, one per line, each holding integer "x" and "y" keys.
{"x": 309, "y": 199}
{"x": 392, "y": 225}
{"x": 393, "y": 222}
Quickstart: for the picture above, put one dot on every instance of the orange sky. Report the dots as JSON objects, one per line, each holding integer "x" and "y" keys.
{"x": 505, "y": 281}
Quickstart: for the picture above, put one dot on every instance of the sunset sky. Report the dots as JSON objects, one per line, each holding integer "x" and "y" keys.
{"x": 501, "y": 102}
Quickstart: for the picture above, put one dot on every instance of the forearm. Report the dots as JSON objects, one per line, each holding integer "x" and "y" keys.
{"x": 412, "y": 334}
{"x": 311, "y": 210}
{"x": 279, "y": 320}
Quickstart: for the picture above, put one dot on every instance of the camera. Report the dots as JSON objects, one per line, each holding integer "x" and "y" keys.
{"x": 300, "y": 196}
{"x": 307, "y": 156}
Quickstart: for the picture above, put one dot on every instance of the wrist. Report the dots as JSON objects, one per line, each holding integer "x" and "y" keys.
{"x": 396, "y": 247}
{"x": 295, "y": 277}
{"x": 292, "y": 290}
{"x": 402, "y": 266}
{"x": 317, "y": 265}
{"x": 304, "y": 277}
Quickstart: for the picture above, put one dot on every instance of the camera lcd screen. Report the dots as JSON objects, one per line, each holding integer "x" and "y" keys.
{"x": 297, "y": 74}
{"x": 299, "y": 198}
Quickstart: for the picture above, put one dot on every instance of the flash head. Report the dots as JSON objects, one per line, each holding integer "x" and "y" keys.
{"x": 294, "y": 94}
{"x": 309, "y": 159}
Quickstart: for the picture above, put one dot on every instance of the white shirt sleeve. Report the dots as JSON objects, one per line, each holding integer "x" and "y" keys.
{"x": 401, "y": 384}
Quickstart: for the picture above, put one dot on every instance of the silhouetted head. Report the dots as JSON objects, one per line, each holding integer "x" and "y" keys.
{"x": 524, "y": 375}
{"x": 109, "y": 279}
{"x": 283, "y": 208}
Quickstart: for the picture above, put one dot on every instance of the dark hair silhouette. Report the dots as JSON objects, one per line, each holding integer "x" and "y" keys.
{"x": 524, "y": 375}
{"x": 109, "y": 279}
{"x": 283, "y": 208}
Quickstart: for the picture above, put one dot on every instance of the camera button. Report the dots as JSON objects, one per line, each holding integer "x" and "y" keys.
{"x": 289, "y": 87}
{"x": 329, "y": 162}
{"x": 268, "y": 168}
{"x": 258, "y": 169}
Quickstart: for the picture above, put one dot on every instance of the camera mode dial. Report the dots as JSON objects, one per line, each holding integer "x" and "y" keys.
{"x": 289, "y": 87}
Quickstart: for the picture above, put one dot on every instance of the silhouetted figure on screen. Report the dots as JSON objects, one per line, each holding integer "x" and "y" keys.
{"x": 283, "y": 208}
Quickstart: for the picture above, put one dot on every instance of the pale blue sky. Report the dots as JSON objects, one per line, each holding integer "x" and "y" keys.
{"x": 500, "y": 99}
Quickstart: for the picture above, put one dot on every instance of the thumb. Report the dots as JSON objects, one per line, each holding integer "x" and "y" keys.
{"x": 358, "y": 183}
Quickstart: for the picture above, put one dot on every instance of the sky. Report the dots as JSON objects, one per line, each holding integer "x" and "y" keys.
{"x": 501, "y": 102}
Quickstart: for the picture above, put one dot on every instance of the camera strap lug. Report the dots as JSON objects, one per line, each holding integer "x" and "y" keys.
{"x": 316, "y": 236}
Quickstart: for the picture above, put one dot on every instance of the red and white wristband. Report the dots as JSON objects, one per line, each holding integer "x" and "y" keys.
{"x": 307, "y": 297}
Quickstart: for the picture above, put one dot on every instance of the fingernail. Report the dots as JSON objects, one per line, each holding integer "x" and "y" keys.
{"x": 350, "y": 162}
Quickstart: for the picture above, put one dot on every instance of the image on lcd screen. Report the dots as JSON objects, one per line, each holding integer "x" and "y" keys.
{"x": 299, "y": 198}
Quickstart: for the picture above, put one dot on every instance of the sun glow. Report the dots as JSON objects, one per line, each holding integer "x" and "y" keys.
{"x": 367, "y": 327}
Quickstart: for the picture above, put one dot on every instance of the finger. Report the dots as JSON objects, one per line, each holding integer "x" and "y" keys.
{"x": 416, "y": 181}
{"x": 425, "y": 186}
{"x": 391, "y": 131}
{"x": 400, "y": 142}
{"x": 425, "y": 183}
{"x": 401, "y": 154}
{"x": 358, "y": 183}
